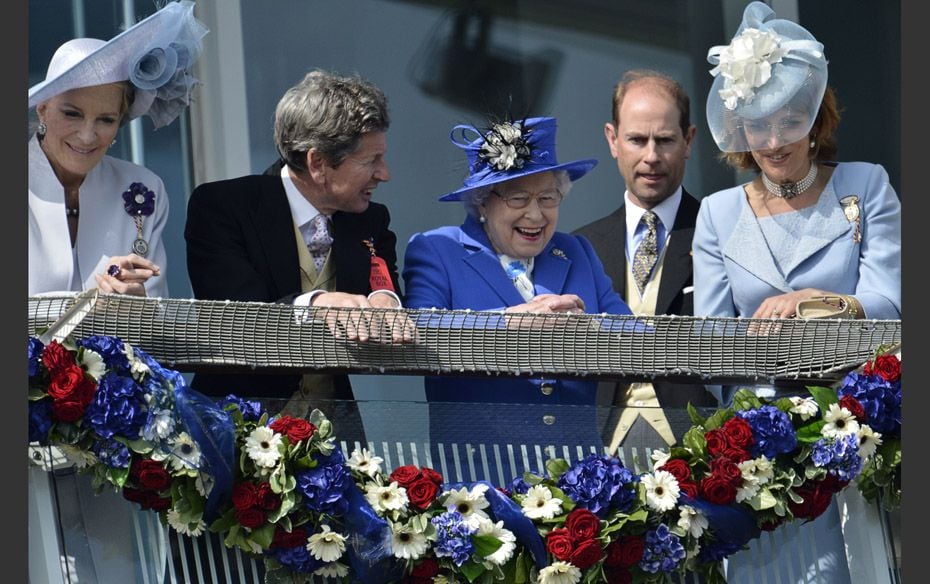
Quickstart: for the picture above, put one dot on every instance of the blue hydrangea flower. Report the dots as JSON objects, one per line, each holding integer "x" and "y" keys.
{"x": 772, "y": 431}
{"x": 519, "y": 487}
{"x": 840, "y": 456}
{"x": 453, "y": 537}
{"x": 663, "y": 551}
{"x": 109, "y": 347}
{"x": 297, "y": 559}
{"x": 118, "y": 408}
{"x": 323, "y": 487}
{"x": 599, "y": 483}
{"x": 160, "y": 375}
{"x": 880, "y": 399}
{"x": 716, "y": 550}
{"x": 251, "y": 410}
{"x": 35, "y": 351}
{"x": 112, "y": 453}
{"x": 40, "y": 420}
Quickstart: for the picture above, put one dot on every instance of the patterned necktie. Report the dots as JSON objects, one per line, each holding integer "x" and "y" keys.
{"x": 320, "y": 241}
{"x": 647, "y": 252}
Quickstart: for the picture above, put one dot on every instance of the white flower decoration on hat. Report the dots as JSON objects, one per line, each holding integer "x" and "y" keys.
{"x": 746, "y": 63}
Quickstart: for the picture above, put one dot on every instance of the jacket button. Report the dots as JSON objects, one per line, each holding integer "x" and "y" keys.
{"x": 548, "y": 420}
{"x": 546, "y": 388}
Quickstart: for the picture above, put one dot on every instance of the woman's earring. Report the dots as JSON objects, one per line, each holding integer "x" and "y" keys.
{"x": 113, "y": 143}
{"x": 481, "y": 219}
{"x": 813, "y": 143}
{"x": 41, "y": 129}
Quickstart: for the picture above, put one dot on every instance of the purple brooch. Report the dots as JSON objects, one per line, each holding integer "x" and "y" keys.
{"x": 139, "y": 203}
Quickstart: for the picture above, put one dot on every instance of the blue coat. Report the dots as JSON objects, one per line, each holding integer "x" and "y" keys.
{"x": 456, "y": 268}
{"x": 734, "y": 270}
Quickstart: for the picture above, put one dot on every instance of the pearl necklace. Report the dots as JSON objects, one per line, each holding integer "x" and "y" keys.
{"x": 791, "y": 190}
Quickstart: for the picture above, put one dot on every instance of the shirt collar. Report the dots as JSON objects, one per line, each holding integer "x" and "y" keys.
{"x": 302, "y": 210}
{"x": 667, "y": 210}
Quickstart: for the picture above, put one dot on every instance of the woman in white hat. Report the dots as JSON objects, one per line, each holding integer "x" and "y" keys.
{"x": 807, "y": 235}
{"x": 508, "y": 256}
{"x": 96, "y": 221}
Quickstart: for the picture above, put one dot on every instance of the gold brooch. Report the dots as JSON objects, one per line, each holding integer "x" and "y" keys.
{"x": 851, "y": 210}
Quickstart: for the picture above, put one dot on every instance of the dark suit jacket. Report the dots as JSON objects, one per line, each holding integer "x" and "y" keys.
{"x": 241, "y": 246}
{"x": 608, "y": 236}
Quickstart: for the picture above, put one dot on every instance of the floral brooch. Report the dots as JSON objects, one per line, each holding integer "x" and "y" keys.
{"x": 139, "y": 203}
{"x": 505, "y": 146}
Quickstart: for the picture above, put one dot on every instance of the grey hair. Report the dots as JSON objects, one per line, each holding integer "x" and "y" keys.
{"x": 475, "y": 198}
{"x": 330, "y": 113}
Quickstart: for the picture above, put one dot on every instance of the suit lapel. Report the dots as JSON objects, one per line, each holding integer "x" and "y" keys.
{"x": 481, "y": 258}
{"x": 831, "y": 223}
{"x": 350, "y": 254}
{"x": 747, "y": 248}
{"x": 275, "y": 227}
{"x": 677, "y": 265}
{"x": 550, "y": 270}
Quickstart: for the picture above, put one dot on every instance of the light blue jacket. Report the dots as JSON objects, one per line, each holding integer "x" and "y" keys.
{"x": 734, "y": 270}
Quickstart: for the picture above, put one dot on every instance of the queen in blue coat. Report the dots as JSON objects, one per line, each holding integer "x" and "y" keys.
{"x": 508, "y": 257}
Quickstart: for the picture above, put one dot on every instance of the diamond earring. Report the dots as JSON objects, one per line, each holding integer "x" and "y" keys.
{"x": 41, "y": 129}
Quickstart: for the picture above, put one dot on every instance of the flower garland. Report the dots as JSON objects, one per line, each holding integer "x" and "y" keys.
{"x": 279, "y": 488}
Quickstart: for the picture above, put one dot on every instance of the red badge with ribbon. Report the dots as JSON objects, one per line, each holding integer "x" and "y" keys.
{"x": 379, "y": 278}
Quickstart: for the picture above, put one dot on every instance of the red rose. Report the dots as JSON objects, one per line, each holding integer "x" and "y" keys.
{"x": 618, "y": 576}
{"x": 718, "y": 490}
{"x": 159, "y": 504}
{"x": 817, "y": 497}
{"x": 724, "y": 468}
{"x": 244, "y": 495}
{"x": 886, "y": 366}
{"x": 736, "y": 455}
{"x": 296, "y": 429}
{"x": 65, "y": 382}
{"x": 134, "y": 495}
{"x": 284, "y": 539}
{"x": 425, "y": 569}
{"x": 67, "y": 411}
{"x": 855, "y": 408}
{"x": 716, "y": 441}
{"x": 582, "y": 525}
{"x": 432, "y": 475}
{"x": 422, "y": 493}
{"x": 559, "y": 544}
{"x": 405, "y": 475}
{"x": 625, "y": 552}
{"x": 266, "y": 498}
{"x": 679, "y": 469}
{"x": 587, "y": 554}
{"x": 833, "y": 483}
{"x": 150, "y": 474}
{"x": 251, "y": 518}
{"x": 56, "y": 357}
{"x": 689, "y": 488}
{"x": 739, "y": 433}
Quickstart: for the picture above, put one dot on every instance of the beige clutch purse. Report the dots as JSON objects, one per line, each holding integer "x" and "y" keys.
{"x": 827, "y": 307}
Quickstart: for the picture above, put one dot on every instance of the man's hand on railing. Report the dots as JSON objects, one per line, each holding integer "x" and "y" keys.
{"x": 385, "y": 325}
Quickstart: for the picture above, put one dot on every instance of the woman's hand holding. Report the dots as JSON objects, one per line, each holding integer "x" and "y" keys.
{"x": 551, "y": 304}
{"x": 127, "y": 275}
{"x": 785, "y": 305}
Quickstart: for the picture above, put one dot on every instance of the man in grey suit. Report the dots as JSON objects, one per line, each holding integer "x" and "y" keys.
{"x": 646, "y": 244}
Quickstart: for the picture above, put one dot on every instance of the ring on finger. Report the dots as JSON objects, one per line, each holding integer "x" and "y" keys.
{"x": 114, "y": 270}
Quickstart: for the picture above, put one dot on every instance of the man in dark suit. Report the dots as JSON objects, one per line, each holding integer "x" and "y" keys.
{"x": 645, "y": 245}
{"x": 304, "y": 232}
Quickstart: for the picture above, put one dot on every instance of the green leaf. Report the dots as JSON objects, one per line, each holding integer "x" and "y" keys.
{"x": 745, "y": 399}
{"x": 718, "y": 418}
{"x": 696, "y": 418}
{"x": 224, "y": 522}
{"x": 694, "y": 440}
{"x": 556, "y": 467}
{"x": 485, "y": 545}
{"x": 824, "y": 396}
{"x": 263, "y": 535}
{"x": 810, "y": 433}
{"x": 472, "y": 570}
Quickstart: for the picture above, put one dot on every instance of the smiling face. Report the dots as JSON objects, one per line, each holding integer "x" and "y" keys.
{"x": 780, "y": 145}
{"x": 349, "y": 185}
{"x": 789, "y": 163}
{"x": 81, "y": 124}
{"x": 520, "y": 233}
{"x": 649, "y": 145}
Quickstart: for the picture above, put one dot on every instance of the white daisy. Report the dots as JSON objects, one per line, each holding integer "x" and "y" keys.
{"x": 407, "y": 543}
{"x": 185, "y": 454}
{"x": 757, "y": 471}
{"x": 659, "y": 458}
{"x": 326, "y": 545}
{"x": 332, "y": 570}
{"x": 839, "y": 422}
{"x": 508, "y": 541}
{"x": 560, "y": 573}
{"x": 262, "y": 446}
{"x": 160, "y": 425}
{"x": 387, "y": 498}
{"x": 191, "y": 529}
{"x": 469, "y": 503}
{"x": 92, "y": 363}
{"x": 538, "y": 503}
{"x": 137, "y": 368}
{"x": 805, "y": 407}
{"x": 364, "y": 462}
{"x": 869, "y": 440}
{"x": 80, "y": 458}
{"x": 661, "y": 490}
{"x": 692, "y": 520}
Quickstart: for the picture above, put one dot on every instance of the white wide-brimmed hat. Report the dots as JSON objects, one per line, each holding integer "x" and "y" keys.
{"x": 155, "y": 55}
{"x": 770, "y": 79}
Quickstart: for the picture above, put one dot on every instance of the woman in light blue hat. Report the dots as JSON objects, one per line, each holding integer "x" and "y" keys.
{"x": 807, "y": 237}
{"x": 509, "y": 257}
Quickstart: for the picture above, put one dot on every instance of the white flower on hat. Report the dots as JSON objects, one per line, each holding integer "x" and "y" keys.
{"x": 746, "y": 63}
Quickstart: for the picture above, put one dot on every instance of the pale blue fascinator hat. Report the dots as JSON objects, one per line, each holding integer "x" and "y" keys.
{"x": 155, "y": 55}
{"x": 771, "y": 66}
{"x": 510, "y": 150}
